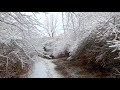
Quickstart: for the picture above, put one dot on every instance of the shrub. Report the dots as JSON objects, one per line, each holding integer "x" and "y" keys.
{"x": 14, "y": 62}
{"x": 95, "y": 53}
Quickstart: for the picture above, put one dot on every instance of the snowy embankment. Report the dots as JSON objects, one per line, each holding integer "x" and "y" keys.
{"x": 43, "y": 68}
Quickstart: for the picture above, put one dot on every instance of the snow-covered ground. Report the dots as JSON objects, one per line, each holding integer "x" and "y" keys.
{"x": 44, "y": 68}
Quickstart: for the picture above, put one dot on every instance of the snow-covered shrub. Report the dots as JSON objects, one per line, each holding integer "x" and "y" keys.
{"x": 78, "y": 25}
{"x": 14, "y": 62}
{"x": 57, "y": 47}
{"x": 100, "y": 50}
{"x": 61, "y": 49}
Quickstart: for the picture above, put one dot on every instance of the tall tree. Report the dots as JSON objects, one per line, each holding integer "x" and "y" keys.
{"x": 50, "y": 25}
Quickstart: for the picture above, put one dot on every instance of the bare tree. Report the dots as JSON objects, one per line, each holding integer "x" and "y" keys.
{"x": 50, "y": 25}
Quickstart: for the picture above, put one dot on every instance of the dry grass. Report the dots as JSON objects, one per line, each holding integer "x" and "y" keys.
{"x": 74, "y": 69}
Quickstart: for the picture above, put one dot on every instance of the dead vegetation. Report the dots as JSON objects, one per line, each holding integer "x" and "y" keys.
{"x": 13, "y": 60}
{"x": 94, "y": 57}
{"x": 73, "y": 69}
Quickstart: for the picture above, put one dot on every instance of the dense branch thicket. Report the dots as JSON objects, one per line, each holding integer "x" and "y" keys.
{"x": 99, "y": 52}
{"x": 15, "y": 60}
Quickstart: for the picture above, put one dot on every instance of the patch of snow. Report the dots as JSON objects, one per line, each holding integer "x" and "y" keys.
{"x": 44, "y": 68}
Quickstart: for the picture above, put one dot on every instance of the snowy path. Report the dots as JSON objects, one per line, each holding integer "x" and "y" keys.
{"x": 44, "y": 68}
